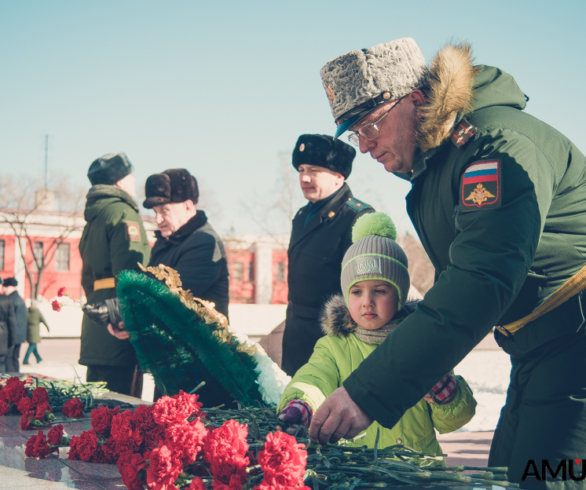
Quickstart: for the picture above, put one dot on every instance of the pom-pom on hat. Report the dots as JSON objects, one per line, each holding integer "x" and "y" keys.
{"x": 321, "y": 150}
{"x": 375, "y": 255}
{"x": 172, "y": 185}
{"x": 109, "y": 169}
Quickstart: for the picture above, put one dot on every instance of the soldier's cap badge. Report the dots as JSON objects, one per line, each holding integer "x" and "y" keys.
{"x": 481, "y": 186}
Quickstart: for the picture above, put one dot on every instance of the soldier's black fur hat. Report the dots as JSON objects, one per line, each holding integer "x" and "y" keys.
{"x": 109, "y": 169}
{"x": 172, "y": 185}
{"x": 10, "y": 281}
{"x": 324, "y": 151}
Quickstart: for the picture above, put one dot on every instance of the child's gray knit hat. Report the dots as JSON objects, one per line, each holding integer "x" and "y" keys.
{"x": 375, "y": 255}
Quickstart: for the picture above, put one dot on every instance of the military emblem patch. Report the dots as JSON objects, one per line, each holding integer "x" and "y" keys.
{"x": 132, "y": 231}
{"x": 481, "y": 186}
{"x": 367, "y": 265}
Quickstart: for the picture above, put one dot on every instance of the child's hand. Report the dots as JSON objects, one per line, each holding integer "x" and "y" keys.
{"x": 296, "y": 413}
{"x": 443, "y": 391}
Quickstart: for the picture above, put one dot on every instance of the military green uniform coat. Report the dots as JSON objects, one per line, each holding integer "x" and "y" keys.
{"x": 34, "y": 318}
{"x": 315, "y": 257}
{"x": 113, "y": 240}
{"x": 499, "y": 251}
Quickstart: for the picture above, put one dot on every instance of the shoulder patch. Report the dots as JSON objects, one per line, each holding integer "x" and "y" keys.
{"x": 132, "y": 231}
{"x": 356, "y": 204}
{"x": 480, "y": 186}
{"x": 462, "y": 133}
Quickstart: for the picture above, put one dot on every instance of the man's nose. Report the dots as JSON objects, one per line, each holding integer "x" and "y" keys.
{"x": 158, "y": 218}
{"x": 366, "y": 145}
{"x": 305, "y": 178}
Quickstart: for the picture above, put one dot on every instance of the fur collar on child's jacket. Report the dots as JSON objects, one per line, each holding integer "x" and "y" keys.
{"x": 335, "y": 317}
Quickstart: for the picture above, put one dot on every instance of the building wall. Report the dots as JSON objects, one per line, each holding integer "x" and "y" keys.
{"x": 241, "y": 264}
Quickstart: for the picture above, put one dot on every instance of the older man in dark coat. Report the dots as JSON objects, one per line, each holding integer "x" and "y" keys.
{"x": 322, "y": 232}
{"x": 8, "y": 332}
{"x": 186, "y": 241}
{"x": 10, "y": 284}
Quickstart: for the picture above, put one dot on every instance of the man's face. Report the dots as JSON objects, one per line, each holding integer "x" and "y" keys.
{"x": 317, "y": 183}
{"x": 127, "y": 184}
{"x": 394, "y": 147}
{"x": 170, "y": 217}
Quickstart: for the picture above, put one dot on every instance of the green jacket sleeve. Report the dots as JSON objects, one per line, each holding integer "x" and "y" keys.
{"x": 43, "y": 321}
{"x": 126, "y": 252}
{"x": 314, "y": 381}
{"x": 489, "y": 262}
{"x": 456, "y": 414}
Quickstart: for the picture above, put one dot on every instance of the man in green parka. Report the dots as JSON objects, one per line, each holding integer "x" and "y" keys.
{"x": 499, "y": 201}
{"x": 113, "y": 240}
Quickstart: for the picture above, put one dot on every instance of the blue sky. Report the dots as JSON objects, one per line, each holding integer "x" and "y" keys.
{"x": 222, "y": 88}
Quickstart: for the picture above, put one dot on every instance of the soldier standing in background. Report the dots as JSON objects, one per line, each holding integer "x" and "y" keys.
{"x": 114, "y": 239}
{"x": 322, "y": 232}
{"x": 7, "y": 327}
{"x": 10, "y": 284}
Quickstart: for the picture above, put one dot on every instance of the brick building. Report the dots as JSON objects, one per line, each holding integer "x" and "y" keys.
{"x": 257, "y": 263}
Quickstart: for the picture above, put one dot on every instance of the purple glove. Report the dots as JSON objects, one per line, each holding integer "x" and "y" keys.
{"x": 296, "y": 413}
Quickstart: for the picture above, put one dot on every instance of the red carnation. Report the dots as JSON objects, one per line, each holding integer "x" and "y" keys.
{"x": 25, "y": 421}
{"x": 14, "y": 390}
{"x": 164, "y": 468}
{"x": 73, "y": 409}
{"x": 102, "y": 419}
{"x": 36, "y": 446}
{"x": 131, "y": 466}
{"x": 62, "y": 291}
{"x": 186, "y": 440}
{"x": 40, "y": 395}
{"x": 225, "y": 451}
{"x": 143, "y": 418}
{"x": 197, "y": 484}
{"x": 56, "y": 305}
{"x": 87, "y": 445}
{"x": 282, "y": 460}
{"x": 55, "y": 435}
{"x": 122, "y": 425}
{"x": 73, "y": 448}
{"x": 4, "y": 408}
{"x": 177, "y": 409}
{"x": 106, "y": 453}
{"x": 24, "y": 405}
{"x": 43, "y": 411}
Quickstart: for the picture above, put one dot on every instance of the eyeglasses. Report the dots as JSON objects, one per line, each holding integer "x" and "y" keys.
{"x": 371, "y": 130}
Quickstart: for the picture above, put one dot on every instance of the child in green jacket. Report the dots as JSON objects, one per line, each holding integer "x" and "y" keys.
{"x": 375, "y": 284}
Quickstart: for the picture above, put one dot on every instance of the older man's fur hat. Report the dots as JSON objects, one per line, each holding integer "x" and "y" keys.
{"x": 109, "y": 169}
{"x": 172, "y": 185}
{"x": 321, "y": 150}
{"x": 358, "y": 81}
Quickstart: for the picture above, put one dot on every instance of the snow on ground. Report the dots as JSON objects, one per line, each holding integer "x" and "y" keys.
{"x": 487, "y": 372}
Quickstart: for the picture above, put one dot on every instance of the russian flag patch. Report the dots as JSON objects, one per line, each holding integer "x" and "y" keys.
{"x": 481, "y": 185}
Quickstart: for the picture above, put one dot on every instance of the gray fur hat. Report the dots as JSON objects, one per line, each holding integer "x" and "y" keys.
{"x": 375, "y": 255}
{"x": 109, "y": 169}
{"x": 359, "y": 81}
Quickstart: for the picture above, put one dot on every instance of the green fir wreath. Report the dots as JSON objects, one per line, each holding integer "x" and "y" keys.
{"x": 182, "y": 341}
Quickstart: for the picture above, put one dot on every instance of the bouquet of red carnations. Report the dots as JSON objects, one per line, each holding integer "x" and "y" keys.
{"x": 172, "y": 445}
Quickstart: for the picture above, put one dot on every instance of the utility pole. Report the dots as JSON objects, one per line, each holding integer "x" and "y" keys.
{"x": 46, "y": 162}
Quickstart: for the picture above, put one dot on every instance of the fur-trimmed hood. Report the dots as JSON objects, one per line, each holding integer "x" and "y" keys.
{"x": 335, "y": 317}
{"x": 458, "y": 87}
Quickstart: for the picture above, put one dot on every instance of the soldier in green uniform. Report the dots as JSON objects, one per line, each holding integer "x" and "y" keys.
{"x": 321, "y": 235}
{"x": 114, "y": 239}
{"x": 498, "y": 199}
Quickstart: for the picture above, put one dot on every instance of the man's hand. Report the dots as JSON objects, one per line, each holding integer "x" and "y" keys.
{"x": 338, "y": 417}
{"x": 119, "y": 333}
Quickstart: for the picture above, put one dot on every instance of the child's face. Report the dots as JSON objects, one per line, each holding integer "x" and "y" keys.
{"x": 372, "y": 303}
